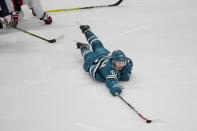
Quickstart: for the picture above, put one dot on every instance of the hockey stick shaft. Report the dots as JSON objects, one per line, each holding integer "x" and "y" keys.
{"x": 140, "y": 115}
{"x": 88, "y": 7}
{"x": 17, "y": 28}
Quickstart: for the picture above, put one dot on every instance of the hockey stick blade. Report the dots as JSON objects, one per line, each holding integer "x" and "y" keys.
{"x": 52, "y": 41}
{"x": 34, "y": 35}
{"x": 88, "y": 7}
{"x": 128, "y": 104}
{"x": 55, "y": 40}
{"x": 117, "y": 3}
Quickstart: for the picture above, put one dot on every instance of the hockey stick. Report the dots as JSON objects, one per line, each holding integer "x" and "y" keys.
{"x": 88, "y": 7}
{"x": 147, "y": 121}
{"x": 17, "y": 28}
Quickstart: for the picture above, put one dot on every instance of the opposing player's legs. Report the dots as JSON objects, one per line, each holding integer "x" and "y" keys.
{"x": 30, "y": 7}
{"x": 93, "y": 41}
{"x": 37, "y": 11}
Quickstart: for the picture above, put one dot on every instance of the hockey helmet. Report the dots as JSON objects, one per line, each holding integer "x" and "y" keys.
{"x": 118, "y": 55}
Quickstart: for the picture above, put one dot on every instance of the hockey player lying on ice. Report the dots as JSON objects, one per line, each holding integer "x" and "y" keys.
{"x": 101, "y": 65}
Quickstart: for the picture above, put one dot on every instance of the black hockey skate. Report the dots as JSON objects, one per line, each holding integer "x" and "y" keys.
{"x": 84, "y": 28}
{"x": 81, "y": 45}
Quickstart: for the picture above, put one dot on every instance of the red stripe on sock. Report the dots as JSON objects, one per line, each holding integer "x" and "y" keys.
{"x": 20, "y": 2}
{"x": 13, "y": 4}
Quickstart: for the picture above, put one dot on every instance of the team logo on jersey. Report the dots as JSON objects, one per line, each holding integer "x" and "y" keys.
{"x": 113, "y": 73}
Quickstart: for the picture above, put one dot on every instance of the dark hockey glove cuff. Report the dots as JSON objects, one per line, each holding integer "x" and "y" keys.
{"x": 116, "y": 89}
{"x": 128, "y": 67}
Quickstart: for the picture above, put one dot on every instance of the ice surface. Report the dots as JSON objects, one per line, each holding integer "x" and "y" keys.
{"x": 44, "y": 88}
